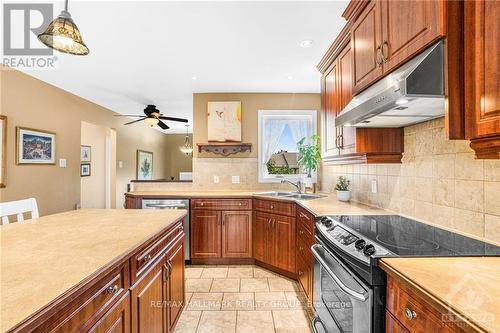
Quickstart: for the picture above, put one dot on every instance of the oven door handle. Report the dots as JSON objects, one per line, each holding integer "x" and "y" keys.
{"x": 355, "y": 294}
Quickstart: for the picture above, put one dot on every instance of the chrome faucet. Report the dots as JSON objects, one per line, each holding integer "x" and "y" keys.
{"x": 297, "y": 185}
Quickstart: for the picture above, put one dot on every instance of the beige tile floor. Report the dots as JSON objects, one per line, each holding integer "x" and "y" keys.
{"x": 242, "y": 299}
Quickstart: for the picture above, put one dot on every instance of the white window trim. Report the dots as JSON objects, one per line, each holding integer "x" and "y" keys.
{"x": 264, "y": 177}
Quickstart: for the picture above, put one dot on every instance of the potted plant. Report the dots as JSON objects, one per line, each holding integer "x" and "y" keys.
{"x": 342, "y": 188}
{"x": 309, "y": 156}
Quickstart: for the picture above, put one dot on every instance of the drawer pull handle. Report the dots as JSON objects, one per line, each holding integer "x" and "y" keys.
{"x": 301, "y": 248}
{"x": 112, "y": 290}
{"x": 410, "y": 314}
{"x": 301, "y": 232}
{"x": 147, "y": 258}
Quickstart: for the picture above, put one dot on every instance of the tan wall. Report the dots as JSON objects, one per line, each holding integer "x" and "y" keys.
{"x": 175, "y": 160}
{"x": 93, "y": 187}
{"x": 29, "y": 102}
{"x": 439, "y": 182}
{"x": 250, "y": 104}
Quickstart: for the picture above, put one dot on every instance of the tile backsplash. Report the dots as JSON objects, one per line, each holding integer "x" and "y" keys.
{"x": 439, "y": 182}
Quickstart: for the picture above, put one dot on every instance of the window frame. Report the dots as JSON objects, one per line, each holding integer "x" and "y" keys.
{"x": 265, "y": 177}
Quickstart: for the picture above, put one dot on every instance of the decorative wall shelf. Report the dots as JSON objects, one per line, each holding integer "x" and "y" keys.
{"x": 224, "y": 148}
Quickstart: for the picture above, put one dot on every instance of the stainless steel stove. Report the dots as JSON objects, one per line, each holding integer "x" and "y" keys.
{"x": 349, "y": 287}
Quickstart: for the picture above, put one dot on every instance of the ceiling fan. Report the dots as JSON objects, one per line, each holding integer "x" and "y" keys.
{"x": 152, "y": 117}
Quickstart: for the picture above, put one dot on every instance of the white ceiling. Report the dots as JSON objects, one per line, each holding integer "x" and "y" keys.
{"x": 147, "y": 52}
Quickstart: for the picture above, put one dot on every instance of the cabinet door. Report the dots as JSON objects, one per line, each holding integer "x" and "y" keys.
{"x": 365, "y": 41}
{"x": 175, "y": 259}
{"x": 392, "y": 325}
{"x": 236, "y": 234}
{"x": 260, "y": 236}
{"x": 347, "y": 137}
{"x": 282, "y": 242}
{"x": 408, "y": 28}
{"x": 329, "y": 132}
{"x": 482, "y": 76}
{"x": 116, "y": 320}
{"x": 205, "y": 234}
{"x": 148, "y": 301}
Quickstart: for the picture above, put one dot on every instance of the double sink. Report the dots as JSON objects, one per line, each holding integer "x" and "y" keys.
{"x": 290, "y": 195}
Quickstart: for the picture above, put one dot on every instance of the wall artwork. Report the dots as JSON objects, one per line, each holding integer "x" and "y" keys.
{"x": 144, "y": 165}
{"x": 3, "y": 149}
{"x": 224, "y": 121}
{"x": 85, "y": 170}
{"x": 85, "y": 153}
{"x": 35, "y": 146}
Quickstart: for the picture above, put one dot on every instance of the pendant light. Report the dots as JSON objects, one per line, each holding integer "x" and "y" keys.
{"x": 63, "y": 35}
{"x": 187, "y": 148}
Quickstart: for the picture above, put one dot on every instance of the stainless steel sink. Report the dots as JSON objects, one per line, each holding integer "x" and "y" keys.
{"x": 290, "y": 195}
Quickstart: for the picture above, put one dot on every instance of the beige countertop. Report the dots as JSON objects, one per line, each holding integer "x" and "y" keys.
{"x": 43, "y": 258}
{"x": 469, "y": 287}
{"x": 327, "y": 205}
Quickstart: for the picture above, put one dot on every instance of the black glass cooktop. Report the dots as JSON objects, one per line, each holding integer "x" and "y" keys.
{"x": 407, "y": 237}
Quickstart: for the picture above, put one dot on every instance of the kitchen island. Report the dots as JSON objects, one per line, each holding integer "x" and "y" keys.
{"x": 81, "y": 270}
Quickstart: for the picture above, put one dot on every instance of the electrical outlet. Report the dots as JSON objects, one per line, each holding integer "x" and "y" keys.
{"x": 374, "y": 186}
{"x": 235, "y": 179}
{"x": 216, "y": 179}
{"x": 120, "y": 164}
{"x": 62, "y": 162}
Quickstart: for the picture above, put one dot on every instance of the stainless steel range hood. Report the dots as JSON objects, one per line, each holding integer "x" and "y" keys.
{"x": 411, "y": 94}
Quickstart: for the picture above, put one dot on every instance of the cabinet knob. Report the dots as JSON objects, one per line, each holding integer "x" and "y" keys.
{"x": 301, "y": 273}
{"x": 301, "y": 248}
{"x": 240, "y": 204}
{"x": 112, "y": 290}
{"x": 301, "y": 232}
{"x": 410, "y": 314}
{"x": 147, "y": 258}
{"x": 272, "y": 207}
{"x": 202, "y": 204}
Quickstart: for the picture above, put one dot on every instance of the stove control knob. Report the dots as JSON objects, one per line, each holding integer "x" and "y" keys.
{"x": 369, "y": 250}
{"x": 360, "y": 244}
{"x": 326, "y": 222}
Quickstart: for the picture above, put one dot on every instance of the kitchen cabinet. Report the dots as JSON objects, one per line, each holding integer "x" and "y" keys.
{"x": 236, "y": 234}
{"x": 343, "y": 144}
{"x": 205, "y": 234}
{"x": 305, "y": 239}
{"x": 116, "y": 320}
{"x": 366, "y": 37}
{"x": 482, "y": 77}
{"x": 388, "y": 33}
{"x": 408, "y": 312}
{"x": 274, "y": 240}
{"x": 120, "y": 298}
{"x": 221, "y": 230}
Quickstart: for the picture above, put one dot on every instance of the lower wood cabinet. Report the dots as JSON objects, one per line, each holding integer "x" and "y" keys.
{"x": 274, "y": 240}
{"x": 221, "y": 235}
{"x": 116, "y": 320}
{"x": 304, "y": 257}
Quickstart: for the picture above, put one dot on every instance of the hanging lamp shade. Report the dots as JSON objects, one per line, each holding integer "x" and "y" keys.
{"x": 63, "y": 35}
{"x": 187, "y": 147}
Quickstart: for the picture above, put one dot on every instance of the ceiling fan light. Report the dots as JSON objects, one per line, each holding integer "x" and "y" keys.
{"x": 63, "y": 35}
{"x": 151, "y": 121}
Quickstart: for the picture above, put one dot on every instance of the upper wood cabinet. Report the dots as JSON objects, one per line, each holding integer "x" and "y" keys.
{"x": 366, "y": 40}
{"x": 407, "y": 28}
{"x": 482, "y": 77}
{"x": 388, "y": 33}
{"x": 329, "y": 132}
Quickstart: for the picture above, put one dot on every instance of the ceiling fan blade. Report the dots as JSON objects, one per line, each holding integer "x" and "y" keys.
{"x": 128, "y": 115}
{"x": 163, "y": 125}
{"x": 182, "y": 120}
{"x": 134, "y": 121}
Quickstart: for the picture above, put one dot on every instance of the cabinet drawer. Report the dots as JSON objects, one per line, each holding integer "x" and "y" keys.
{"x": 145, "y": 258}
{"x": 87, "y": 308}
{"x": 222, "y": 204}
{"x": 304, "y": 250}
{"x": 305, "y": 224}
{"x": 275, "y": 207}
{"x": 413, "y": 313}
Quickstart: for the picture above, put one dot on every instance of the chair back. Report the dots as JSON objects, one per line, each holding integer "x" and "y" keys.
{"x": 18, "y": 208}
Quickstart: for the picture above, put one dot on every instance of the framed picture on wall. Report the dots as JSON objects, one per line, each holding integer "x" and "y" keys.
{"x": 224, "y": 121}
{"x": 85, "y": 153}
{"x": 85, "y": 170}
{"x": 35, "y": 146}
{"x": 144, "y": 167}
{"x": 3, "y": 149}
